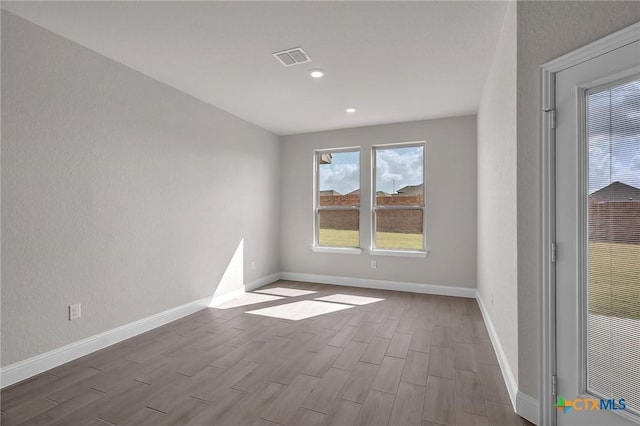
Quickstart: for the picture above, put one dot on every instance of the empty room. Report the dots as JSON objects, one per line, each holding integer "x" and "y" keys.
{"x": 299, "y": 213}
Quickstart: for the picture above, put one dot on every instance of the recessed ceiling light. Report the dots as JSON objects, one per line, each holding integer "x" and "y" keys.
{"x": 351, "y": 110}
{"x": 316, "y": 73}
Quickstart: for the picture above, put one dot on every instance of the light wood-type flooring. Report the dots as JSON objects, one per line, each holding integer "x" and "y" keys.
{"x": 361, "y": 357}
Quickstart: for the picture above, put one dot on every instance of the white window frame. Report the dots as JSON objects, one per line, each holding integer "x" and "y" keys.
{"x": 317, "y": 208}
{"x": 374, "y": 207}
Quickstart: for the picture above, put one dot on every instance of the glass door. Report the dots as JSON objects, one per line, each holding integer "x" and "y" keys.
{"x": 597, "y": 232}
{"x": 613, "y": 251}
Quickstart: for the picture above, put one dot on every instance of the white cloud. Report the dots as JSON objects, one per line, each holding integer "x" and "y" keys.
{"x": 342, "y": 177}
{"x": 613, "y": 159}
{"x": 614, "y": 136}
{"x": 404, "y": 165}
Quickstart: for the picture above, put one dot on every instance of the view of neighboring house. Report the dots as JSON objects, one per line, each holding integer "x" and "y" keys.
{"x": 330, "y": 193}
{"x": 403, "y": 222}
{"x": 617, "y": 191}
{"x": 614, "y": 214}
{"x": 407, "y": 190}
{"x": 411, "y": 190}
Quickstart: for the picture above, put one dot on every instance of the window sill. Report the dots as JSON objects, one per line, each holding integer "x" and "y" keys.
{"x": 339, "y": 250}
{"x": 399, "y": 253}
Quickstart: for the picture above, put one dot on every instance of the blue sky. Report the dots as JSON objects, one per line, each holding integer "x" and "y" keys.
{"x": 404, "y": 165}
{"x": 343, "y": 174}
{"x": 614, "y": 136}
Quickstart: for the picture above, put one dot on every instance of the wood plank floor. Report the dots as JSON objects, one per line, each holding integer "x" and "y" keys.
{"x": 356, "y": 357}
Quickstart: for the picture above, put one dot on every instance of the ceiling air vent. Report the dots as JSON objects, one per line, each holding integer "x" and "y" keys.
{"x": 292, "y": 56}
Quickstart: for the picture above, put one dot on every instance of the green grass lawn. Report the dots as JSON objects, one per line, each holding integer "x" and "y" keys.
{"x": 385, "y": 240}
{"x": 339, "y": 238}
{"x": 614, "y": 279}
{"x": 614, "y": 269}
{"x": 399, "y": 240}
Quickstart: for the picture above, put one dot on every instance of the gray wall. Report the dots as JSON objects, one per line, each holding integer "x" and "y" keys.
{"x": 118, "y": 192}
{"x": 546, "y": 30}
{"x": 450, "y": 178}
{"x": 497, "y": 203}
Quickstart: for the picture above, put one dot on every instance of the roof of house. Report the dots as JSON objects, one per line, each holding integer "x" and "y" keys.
{"x": 617, "y": 191}
{"x": 411, "y": 190}
{"x": 329, "y": 192}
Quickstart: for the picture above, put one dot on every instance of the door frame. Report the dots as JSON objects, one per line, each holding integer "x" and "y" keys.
{"x": 547, "y": 290}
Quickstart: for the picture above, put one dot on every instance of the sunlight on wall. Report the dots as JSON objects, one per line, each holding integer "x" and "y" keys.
{"x": 233, "y": 277}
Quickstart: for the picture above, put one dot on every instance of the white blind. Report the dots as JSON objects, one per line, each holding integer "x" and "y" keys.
{"x": 613, "y": 293}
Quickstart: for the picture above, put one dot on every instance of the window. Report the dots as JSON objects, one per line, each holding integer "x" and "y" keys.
{"x": 337, "y": 199}
{"x": 397, "y": 208}
{"x": 613, "y": 267}
{"x": 398, "y": 197}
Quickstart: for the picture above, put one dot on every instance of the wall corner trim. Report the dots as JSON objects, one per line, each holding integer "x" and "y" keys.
{"x": 523, "y": 404}
{"x": 510, "y": 380}
{"x": 527, "y": 407}
{"x": 22, "y": 370}
{"x": 260, "y": 282}
{"x": 381, "y": 284}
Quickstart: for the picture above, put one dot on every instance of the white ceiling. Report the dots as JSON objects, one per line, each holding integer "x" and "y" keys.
{"x": 394, "y": 61}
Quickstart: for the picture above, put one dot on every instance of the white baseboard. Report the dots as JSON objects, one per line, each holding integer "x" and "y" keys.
{"x": 30, "y": 367}
{"x": 524, "y": 405}
{"x": 527, "y": 407}
{"x": 381, "y": 285}
{"x": 509, "y": 379}
{"x": 250, "y": 286}
{"x": 260, "y": 282}
{"x": 40, "y": 363}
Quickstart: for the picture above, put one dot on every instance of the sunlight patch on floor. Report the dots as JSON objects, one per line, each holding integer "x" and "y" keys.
{"x": 300, "y": 310}
{"x": 246, "y": 299}
{"x": 349, "y": 299}
{"x": 284, "y": 291}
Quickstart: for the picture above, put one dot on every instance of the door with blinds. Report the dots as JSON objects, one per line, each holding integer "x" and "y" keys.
{"x": 597, "y": 197}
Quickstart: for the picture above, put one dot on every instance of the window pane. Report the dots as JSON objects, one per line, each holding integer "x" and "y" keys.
{"x": 339, "y": 178}
{"x": 339, "y": 228}
{"x": 399, "y": 229}
{"x": 613, "y": 320}
{"x": 400, "y": 175}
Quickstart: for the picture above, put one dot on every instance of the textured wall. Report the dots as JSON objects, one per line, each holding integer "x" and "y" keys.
{"x": 497, "y": 222}
{"x": 118, "y": 192}
{"x": 450, "y": 178}
{"x": 546, "y": 30}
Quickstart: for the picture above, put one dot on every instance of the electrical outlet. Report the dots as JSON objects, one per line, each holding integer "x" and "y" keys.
{"x": 253, "y": 264}
{"x": 374, "y": 264}
{"x": 74, "y": 311}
